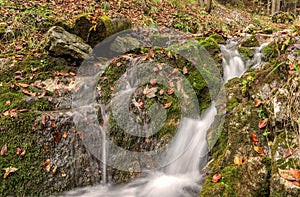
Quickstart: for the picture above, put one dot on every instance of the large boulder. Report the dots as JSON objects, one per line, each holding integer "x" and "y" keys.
{"x": 59, "y": 42}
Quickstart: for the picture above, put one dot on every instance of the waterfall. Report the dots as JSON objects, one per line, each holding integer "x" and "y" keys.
{"x": 187, "y": 153}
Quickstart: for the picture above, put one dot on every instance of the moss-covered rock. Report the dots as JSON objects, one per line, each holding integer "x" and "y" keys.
{"x": 250, "y": 42}
{"x": 246, "y": 53}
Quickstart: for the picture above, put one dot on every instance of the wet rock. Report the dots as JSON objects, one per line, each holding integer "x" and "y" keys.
{"x": 61, "y": 43}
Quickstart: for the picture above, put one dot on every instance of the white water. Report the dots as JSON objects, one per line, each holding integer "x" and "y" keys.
{"x": 188, "y": 152}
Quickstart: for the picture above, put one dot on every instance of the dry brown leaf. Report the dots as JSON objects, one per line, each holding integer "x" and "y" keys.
{"x": 65, "y": 134}
{"x": 259, "y": 150}
{"x": 41, "y": 95}
{"x": 286, "y": 174}
{"x": 54, "y": 170}
{"x": 44, "y": 119}
{"x": 257, "y": 103}
{"x": 216, "y": 178}
{"x": 170, "y": 91}
{"x": 3, "y": 150}
{"x": 253, "y": 138}
{"x": 8, "y": 171}
{"x": 262, "y": 124}
{"x": 167, "y": 105}
{"x": 32, "y": 94}
{"x": 237, "y": 160}
{"x": 184, "y": 70}
{"x": 18, "y": 151}
{"x": 22, "y": 85}
{"x": 295, "y": 173}
{"x": 7, "y": 103}
{"x": 57, "y": 137}
{"x": 153, "y": 82}
{"x": 288, "y": 152}
{"x": 63, "y": 173}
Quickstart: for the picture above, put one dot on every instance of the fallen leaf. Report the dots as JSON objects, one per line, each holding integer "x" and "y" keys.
{"x": 170, "y": 56}
{"x": 63, "y": 173}
{"x": 141, "y": 105}
{"x": 167, "y": 105}
{"x": 253, "y": 138}
{"x": 216, "y": 178}
{"x": 257, "y": 103}
{"x": 119, "y": 64}
{"x": 150, "y": 92}
{"x": 54, "y": 170}
{"x": 237, "y": 160}
{"x": 153, "y": 82}
{"x": 170, "y": 91}
{"x": 7, "y": 103}
{"x": 57, "y": 137}
{"x": 18, "y": 151}
{"x": 22, "y": 85}
{"x": 42, "y": 94}
{"x": 161, "y": 92}
{"x": 262, "y": 123}
{"x": 286, "y": 174}
{"x": 3, "y": 150}
{"x": 44, "y": 119}
{"x": 8, "y": 171}
{"x": 64, "y": 134}
{"x": 288, "y": 152}
{"x": 259, "y": 150}
{"x": 296, "y": 183}
{"x": 295, "y": 173}
{"x": 32, "y": 94}
{"x": 184, "y": 70}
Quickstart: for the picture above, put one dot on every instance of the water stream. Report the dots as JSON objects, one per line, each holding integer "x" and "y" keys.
{"x": 182, "y": 177}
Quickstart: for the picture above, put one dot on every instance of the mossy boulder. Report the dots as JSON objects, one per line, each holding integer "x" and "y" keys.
{"x": 246, "y": 53}
{"x": 249, "y": 42}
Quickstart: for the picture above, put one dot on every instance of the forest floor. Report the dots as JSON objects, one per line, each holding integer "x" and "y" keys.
{"x": 23, "y": 23}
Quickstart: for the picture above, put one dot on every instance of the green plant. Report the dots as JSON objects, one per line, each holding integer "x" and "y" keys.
{"x": 261, "y": 114}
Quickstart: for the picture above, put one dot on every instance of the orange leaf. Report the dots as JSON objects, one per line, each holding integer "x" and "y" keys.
{"x": 288, "y": 152}
{"x": 259, "y": 150}
{"x": 286, "y": 174}
{"x": 216, "y": 178}
{"x": 253, "y": 138}
{"x": 64, "y": 134}
{"x": 262, "y": 123}
{"x": 296, "y": 183}
{"x": 237, "y": 161}
{"x": 257, "y": 103}
{"x": 295, "y": 173}
{"x": 170, "y": 91}
{"x": 167, "y": 105}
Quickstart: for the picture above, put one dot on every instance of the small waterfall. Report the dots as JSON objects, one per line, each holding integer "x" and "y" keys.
{"x": 233, "y": 64}
{"x": 188, "y": 151}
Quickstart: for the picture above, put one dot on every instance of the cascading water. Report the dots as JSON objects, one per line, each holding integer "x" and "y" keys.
{"x": 181, "y": 177}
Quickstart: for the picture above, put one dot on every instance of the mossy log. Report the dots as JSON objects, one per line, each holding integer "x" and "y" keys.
{"x": 96, "y": 30}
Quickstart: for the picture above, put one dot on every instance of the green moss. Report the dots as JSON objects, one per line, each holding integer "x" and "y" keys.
{"x": 246, "y": 53}
{"x": 250, "y": 42}
{"x": 211, "y": 45}
{"x": 271, "y": 51}
{"x": 26, "y": 181}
